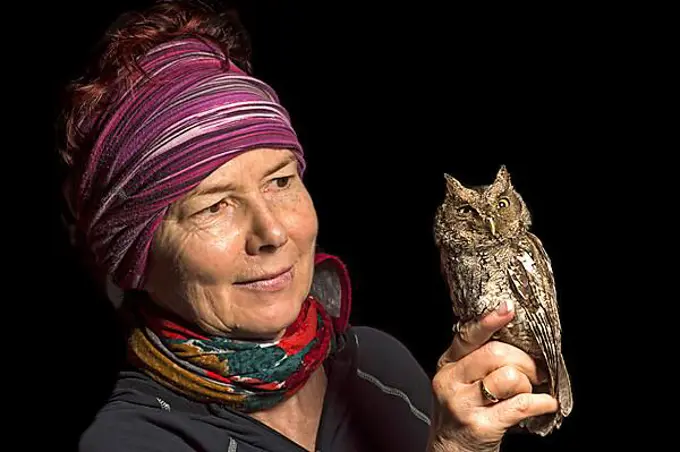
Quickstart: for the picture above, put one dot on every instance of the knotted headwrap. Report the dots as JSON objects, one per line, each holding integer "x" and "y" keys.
{"x": 190, "y": 113}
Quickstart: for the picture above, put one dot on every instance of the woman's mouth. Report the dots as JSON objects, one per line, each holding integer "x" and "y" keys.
{"x": 269, "y": 283}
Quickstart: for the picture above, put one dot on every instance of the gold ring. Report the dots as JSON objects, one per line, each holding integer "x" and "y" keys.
{"x": 487, "y": 394}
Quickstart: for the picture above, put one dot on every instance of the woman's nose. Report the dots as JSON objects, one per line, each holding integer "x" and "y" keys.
{"x": 267, "y": 233}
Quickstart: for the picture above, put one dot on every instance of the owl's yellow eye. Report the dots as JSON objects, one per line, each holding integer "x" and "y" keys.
{"x": 503, "y": 203}
{"x": 465, "y": 209}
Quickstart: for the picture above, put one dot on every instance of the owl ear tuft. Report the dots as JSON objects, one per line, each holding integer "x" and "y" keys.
{"x": 453, "y": 187}
{"x": 503, "y": 181}
{"x": 456, "y": 190}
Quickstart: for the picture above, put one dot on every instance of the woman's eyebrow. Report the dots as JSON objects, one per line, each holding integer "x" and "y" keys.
{"x": 218, "y": 188}
{"x": 227, "y": 186}
{"x": 285, "y": 162}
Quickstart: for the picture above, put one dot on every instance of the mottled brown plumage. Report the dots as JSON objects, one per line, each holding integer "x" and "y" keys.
{"x": 488, "y": 255}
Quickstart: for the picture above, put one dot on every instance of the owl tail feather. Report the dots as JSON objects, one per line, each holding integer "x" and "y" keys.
{"x": 564, "y": 388}
{"x": 546, "y": 423}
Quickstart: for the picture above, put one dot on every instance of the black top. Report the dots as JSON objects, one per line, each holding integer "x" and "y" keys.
{"x": 378, "y": 399}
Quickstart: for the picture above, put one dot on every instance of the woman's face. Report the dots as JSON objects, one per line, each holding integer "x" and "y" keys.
{"x": 236, "y": 255}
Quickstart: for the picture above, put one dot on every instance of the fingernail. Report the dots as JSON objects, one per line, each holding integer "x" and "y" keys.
{"x": 505, "y": 307}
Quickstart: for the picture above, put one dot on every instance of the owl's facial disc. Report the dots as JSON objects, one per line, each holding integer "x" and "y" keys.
{"x": 479, "y": 224}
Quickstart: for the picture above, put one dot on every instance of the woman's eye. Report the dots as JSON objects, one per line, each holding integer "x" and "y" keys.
{"x": 283, "y": 182}
{"x": 215, "y": 208}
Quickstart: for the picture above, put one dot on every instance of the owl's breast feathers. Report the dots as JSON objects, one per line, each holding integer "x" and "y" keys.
{"x": 477, "y": 279}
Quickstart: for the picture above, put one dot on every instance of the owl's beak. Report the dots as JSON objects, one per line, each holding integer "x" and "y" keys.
{"x": 492, "y": 226}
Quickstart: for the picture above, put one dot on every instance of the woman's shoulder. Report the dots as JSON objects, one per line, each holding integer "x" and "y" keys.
{"x": 380, "y": 354}
{"x": 140, "y": 415}
{"x": 375, "y": 372}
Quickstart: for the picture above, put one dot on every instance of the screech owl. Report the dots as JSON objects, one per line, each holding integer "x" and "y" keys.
{"x": 489, "y": 255}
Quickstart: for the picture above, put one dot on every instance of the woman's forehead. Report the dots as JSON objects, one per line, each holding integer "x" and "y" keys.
{"x": 257, "y": 162}
{"x": 252, "y": 165}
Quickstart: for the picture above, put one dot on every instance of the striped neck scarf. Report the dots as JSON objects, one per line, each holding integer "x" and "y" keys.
{"x": 190, "y": 111}
{"x": 243, "y": 375}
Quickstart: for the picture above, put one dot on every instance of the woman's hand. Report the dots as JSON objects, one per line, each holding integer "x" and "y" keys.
{"x": 466, "y": 420}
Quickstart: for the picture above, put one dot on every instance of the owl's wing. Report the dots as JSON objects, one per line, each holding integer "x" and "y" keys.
{"x": 549, "y": 282}
{"x": 533, "y": 281}
{"x": 452, "y": 281}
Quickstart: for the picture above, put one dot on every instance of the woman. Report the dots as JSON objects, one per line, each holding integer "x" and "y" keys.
{"x": 186, "y": 192}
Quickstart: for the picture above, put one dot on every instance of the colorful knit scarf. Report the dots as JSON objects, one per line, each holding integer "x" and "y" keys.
{"x": 244, "y": 375}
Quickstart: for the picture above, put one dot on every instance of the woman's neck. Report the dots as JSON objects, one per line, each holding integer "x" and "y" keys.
{"x": 298, "y": 417}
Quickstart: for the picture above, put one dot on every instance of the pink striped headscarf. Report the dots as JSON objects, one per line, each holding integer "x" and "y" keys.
{"x": 169, "y": 131}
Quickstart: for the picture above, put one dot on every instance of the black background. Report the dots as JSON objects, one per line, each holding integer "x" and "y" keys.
{"x": 385, "y": 100}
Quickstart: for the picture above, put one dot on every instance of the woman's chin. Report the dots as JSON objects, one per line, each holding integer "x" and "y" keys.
{"x": 252, "y": 336}
{"x": 268, "y": 320}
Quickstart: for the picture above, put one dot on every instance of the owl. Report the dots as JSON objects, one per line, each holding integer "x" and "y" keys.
{"x": 489, "y": 255}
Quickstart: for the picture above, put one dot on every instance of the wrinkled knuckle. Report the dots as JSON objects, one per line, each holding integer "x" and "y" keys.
{"x": 443, "y": 382}
{"x": 439, "y": 383}
{"x": 454, "y": 405}
{"x": 480, "y": 426}
{"x": 511, "y": 376}
{"x": 523, "y": 404}
{"x": 497, "y": 350}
